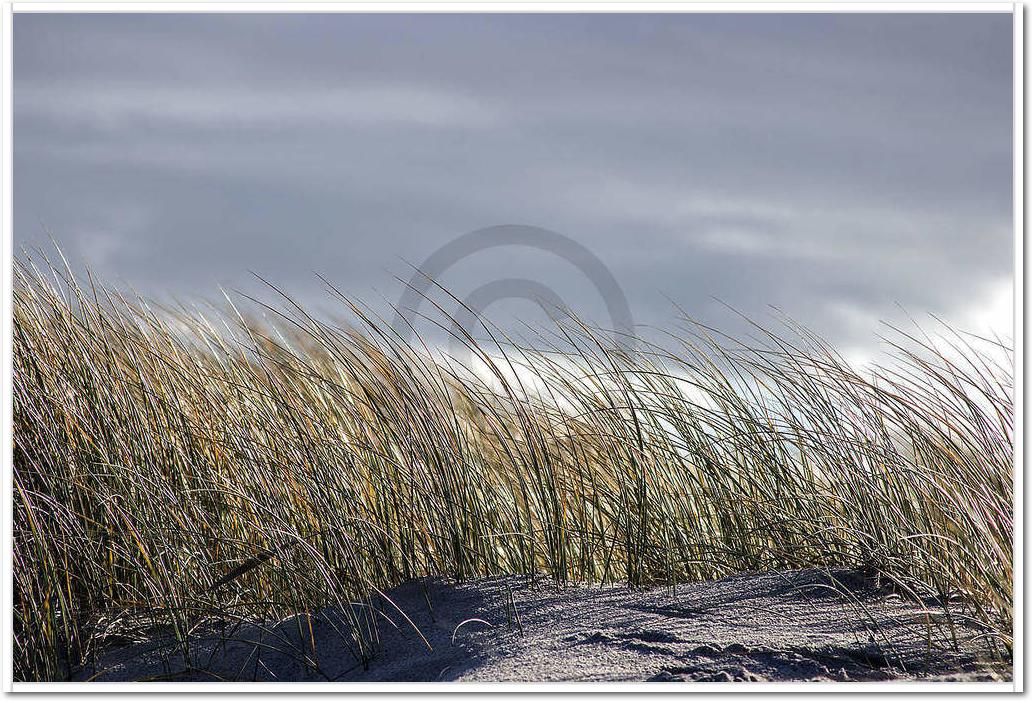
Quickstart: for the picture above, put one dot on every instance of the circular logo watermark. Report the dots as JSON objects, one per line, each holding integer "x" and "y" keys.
{"x": 466, "y": 313}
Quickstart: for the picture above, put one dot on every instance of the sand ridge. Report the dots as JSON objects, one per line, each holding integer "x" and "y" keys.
{"x": 802, "y": 625}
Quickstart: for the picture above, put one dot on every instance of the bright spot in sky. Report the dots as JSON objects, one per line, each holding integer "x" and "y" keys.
{"x": 994, "y": 314}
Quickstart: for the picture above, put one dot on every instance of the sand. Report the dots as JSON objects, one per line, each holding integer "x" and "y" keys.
{"x": 787, "y": 626}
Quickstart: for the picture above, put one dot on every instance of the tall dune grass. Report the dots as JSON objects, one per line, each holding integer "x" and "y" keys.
{"x": 170, "y": 467}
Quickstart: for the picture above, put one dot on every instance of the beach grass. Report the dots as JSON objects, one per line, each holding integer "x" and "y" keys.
{"x": 171, "y": 466}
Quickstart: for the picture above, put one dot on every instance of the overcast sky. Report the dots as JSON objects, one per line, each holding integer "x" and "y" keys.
{"x": 833, "y": 166}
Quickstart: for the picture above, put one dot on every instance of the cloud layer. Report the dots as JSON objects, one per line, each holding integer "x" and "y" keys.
{"x": 833, "y": 166}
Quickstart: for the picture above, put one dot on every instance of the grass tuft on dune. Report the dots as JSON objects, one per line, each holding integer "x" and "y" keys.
{"x": 175, "y": 467}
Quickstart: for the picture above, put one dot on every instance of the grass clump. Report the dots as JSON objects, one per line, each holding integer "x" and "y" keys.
{"x": 174, "y": 467}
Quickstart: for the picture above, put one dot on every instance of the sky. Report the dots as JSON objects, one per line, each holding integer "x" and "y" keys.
{"x": 844, "y": 169}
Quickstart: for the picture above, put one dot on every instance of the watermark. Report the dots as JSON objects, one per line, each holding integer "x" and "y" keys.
{"x": 465, "y": 315}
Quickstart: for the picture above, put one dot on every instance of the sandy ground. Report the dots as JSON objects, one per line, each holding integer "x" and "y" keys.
{"x": 788, "y": 626}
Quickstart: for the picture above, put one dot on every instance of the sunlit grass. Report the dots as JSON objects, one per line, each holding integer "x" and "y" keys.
{"x": 170, "y": 467}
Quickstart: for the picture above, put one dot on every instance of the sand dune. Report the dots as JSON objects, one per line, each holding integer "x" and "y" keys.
{"x": 788, "y": 626}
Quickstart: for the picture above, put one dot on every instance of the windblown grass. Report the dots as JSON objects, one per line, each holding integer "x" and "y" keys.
{"x": 174, "y": 467}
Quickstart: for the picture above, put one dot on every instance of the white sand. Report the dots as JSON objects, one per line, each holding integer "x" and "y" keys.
{"x": 788, "y": 626}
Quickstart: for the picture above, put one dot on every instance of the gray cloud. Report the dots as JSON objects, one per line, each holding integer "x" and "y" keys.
{"x": 830, "y": 165}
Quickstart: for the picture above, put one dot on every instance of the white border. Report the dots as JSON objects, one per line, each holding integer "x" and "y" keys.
{"x": 474, "y": 6}
{"x": 6, "y": 410}
{"x": 546, "y": 689}
{"x": 1018, "y": 559}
